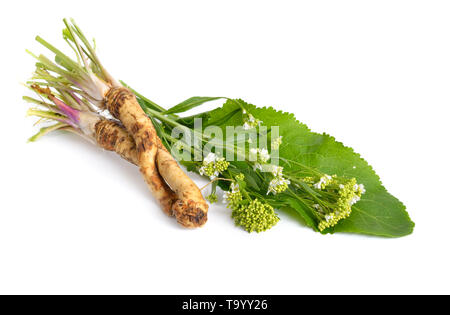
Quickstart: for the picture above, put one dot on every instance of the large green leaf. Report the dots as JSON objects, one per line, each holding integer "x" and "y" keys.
{"x": 378, "y": 212}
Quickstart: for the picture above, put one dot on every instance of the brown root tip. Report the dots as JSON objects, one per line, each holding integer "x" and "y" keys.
{"x": 43, "y": 91}
{"x": 190, "y": 214}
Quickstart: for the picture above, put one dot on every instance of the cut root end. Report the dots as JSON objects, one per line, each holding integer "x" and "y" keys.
{"x": 190, "y": 214}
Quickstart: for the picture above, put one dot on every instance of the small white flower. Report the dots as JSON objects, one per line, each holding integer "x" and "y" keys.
{"x": 250, "y": 121}
{"x": 210, "y": 158}
{"x": 264, "y": 154}
{"x": 277, "y": 171}
{"x": 277, "y": 183}
{"x": 213, "y": 165}
{"x": 258, "y": 166}
{"x": 214, "y": 176}
{"x": 234, "y": 187}
{"x": 259, "y": 155}
{"x": 354, "y": 200}
{"x": 362, "y": 189}
{"x": 323, "y": 181}
{"x": 276, "y": 143}
{"x": 246, "y": 126}
{"x": 329, "y": 217}
{"x": 225, "y": 197}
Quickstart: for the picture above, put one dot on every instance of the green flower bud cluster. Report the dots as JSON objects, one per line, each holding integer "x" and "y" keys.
{"x": 250, "y": 121}
{"x": 309, "y": 180}
{"x": 330, "y": 220}
{"x": 276, "y": 143}
{"x": 324, "y": 181}
{"x": 348, "y": 193}
{"x": 212, "y": 198}
{"x": 213, "y": 165}
{"x": 278, "y": 184}
{"x": 233, "y": 197}
{"x": 255, "y": 216}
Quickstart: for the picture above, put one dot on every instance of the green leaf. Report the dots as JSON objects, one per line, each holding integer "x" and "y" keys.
{"x": 250, "y": 176}
{"x": 378, "y": 213}
{"x": 304, "y": 212}
{"x": 189, "y": 104}
{"x": 190, "y": 120}
{"x": 160, "y": 132}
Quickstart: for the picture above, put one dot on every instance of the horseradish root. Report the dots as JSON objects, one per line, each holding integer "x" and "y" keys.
{"x": 122, "y": 104}
{"x": 111, "y": 136}
{"x": 88, "y": 80}
{"x": 107, "y": 134}
{"x": 191, "y": 209}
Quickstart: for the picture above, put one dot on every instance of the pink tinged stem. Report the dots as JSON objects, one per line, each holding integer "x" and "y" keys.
{"x": 68, "y": 122}
{"x": 78, "y": 85}
{"x": 76, "y": 98}
{"x": 71, "y": 113}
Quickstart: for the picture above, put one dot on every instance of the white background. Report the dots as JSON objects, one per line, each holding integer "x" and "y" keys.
{"x": 375, "y": 74}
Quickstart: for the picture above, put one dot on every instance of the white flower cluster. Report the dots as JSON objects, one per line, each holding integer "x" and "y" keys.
{"x": 234, "y": 188}
{"x": 323, "y": 182}
{"x": 348, "y": 194}
{"x": 276, "y": 143}
{"x": 250, "y": 121}
{"x": 278, "y": 184}
{"x": 359, "y": 190}
{"x": 277, "y": 171}
{"x": 233, "y": 197}
{"x": 260, "y": 156}
{"x": 213, "y": 166}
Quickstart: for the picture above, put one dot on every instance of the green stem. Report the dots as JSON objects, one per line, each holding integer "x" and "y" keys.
{"x": 45, "y": 114}
{"x": 160, "y": 116}
{"x": 245, "y": 193}
{"x": 237, "y": 103}
{"x": 45, "y": 130}
{"x": 154, "y": 105}
{"x": 293, "y": 194}
{"x": 38, "y": 102}
{"x": 67, "y": 61}
{"x": 175, "y": 140}
{"x": 302, "y": 165}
